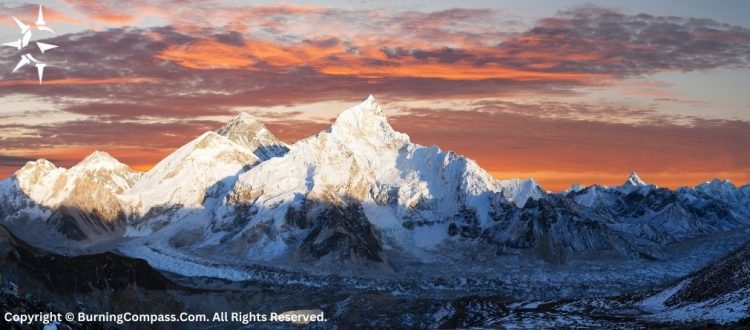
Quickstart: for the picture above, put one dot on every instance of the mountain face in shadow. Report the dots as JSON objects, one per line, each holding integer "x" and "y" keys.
{"x": 719, "y": 292}
{"x": 68, "y": 274}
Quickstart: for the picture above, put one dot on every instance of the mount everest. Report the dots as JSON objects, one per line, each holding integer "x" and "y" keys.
{"x": 359, "y": 197}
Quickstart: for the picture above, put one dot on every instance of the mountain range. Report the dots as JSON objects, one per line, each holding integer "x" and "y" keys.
{"x": 360, "y": 198}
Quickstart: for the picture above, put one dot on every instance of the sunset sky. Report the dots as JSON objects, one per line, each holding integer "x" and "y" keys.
{"x": 563, "y": 91}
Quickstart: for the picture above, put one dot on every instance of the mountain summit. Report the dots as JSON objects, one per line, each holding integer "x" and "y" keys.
{"x": 249, "y": 132}
{"x": 635, "y": 180}
{"x": 634, "y": 183}
{"x": 99, "y": 160}
{"x": 366, "y": 122}
{"x": 100, "y": 157}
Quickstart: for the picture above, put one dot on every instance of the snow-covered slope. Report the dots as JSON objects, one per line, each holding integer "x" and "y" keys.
{"x": 183, "y": 178}
{"x": 208, "y": 165}
{"x": 720, "y": 293}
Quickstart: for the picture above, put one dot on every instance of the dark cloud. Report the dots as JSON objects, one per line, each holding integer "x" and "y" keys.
{"x": 592, "y": 39}
{"x": 595, "y": 40}
{"x": 108, "y": 134}
{"x": 445, "y": 55}
{"x": 581, "y": 41}
{"x": 324, "y": 42}
{"x": 582, "y": 111}
{"x": 14, "y": 161}
{"x": 231, "y": 38}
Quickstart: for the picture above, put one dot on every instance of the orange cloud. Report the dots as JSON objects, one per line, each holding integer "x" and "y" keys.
{"x": 575, "y": 46}
{"x": 115, "y": 18}
{"x": 208, "y": 55}
{"x": 212, "y": 54}
{"x": 117, "y": 13}
{"x": 454, "y": 72}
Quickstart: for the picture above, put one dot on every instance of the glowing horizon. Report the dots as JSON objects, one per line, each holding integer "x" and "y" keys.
{"x": 555, "y": 181}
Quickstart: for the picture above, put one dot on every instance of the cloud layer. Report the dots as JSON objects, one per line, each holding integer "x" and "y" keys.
{"x": 155, "y": 88}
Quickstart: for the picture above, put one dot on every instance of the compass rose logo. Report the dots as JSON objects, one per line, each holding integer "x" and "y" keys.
{"x": 25, "y": 38}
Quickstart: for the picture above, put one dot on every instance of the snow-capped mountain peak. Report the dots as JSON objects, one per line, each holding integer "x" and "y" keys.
{"x": 366, "y": 121}
{"x": 574, "y": 188}
{"x": 520, "y": 191}
{"x": 723, "y": 189}
{"x": 243, "y": 118}
{"x": 99, "y": 160}
{"x": 102, "y": 169}
{"x": 249, "y": 132}
{"x": 635, "y": 180}
{"x": 634, "y": 183}
{"x": 37, "y": 179}
{"x": 78, "y": 194}
{"x": 37, "y": 165}
{"x": 717, "y": 183}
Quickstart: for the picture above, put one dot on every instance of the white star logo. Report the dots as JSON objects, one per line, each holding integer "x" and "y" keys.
{"x": 24, "y": 40}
